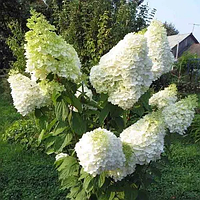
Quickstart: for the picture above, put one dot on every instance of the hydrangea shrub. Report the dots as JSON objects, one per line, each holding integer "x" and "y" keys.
{"x": 99, "y": 155}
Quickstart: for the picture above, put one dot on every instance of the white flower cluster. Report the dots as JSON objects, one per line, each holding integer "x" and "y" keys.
{"x": 61, "y": 156}
{"x": 128, "y": 69}
{"x": 124, "y": 73}
{"x": 46, "y": 52}
{"x": 159, "y": 49}
{"x": 146, "y": 137}
{"x": 99, "y": 150}
{"x": 178, "y": 117}
{"x": 48, "y": 87}
{"x": 129, "y": 165}
{"x": 164, "y": 97}
{"x": 26, "y": 94}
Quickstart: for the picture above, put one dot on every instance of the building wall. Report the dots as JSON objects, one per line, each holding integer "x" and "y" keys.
{"x": 183, "y": 46}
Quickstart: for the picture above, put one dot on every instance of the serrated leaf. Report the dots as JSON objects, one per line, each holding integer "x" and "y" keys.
{"x": 70, "y": 181}
{"x": 61, "y": 110}
{"x": 78, "y": 124}
{"x": 66, "y": 142}
{"x": 68, "y": 161}
{"x": 51, "y": 125}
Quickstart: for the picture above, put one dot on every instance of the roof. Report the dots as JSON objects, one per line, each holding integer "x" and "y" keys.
{"x": 195, "y": 49}
{"x": 175, "y": 39}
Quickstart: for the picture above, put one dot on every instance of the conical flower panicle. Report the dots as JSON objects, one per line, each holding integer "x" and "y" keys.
{"x": 164, "y": 97}
{"x": 124, "y": 73}
{"x": 46, "y": 52}
{"x": 178, "y": 117}
{"x": 99, "y": 150}
{"x": 146, "y": 138}
{"x": 159, "y": 49}
{"x": 26, "y": 94}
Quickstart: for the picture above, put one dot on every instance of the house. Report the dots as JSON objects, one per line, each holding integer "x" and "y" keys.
{"x": 181, "y": 42}
{"x": 195, "y": 49}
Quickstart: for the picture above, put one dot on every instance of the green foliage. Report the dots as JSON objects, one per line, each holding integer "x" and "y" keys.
{"x": 184, "y": 60}
{"x": 8, "y": 113}
{"x": 194, "y": 130}
{"x": 16, "y": 44}
{"x": 22, "y": 131}
{"x": 171, "y": 29}
{"x": 82, "y": 185}
{"x": 93, "y": 27}
{"x": 185, "y": 73}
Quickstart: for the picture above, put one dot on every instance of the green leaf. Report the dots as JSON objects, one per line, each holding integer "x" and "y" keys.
{"x": 61, "y": 110}
{"x": 115, "y": 111}
{"x": 70, "y": 181}
{"x": 86, "y": 183}
{"x": 83, "y": 174}
{"x": 59, "y": 128}
{"x": 41, "y": 136}
{"x": 78, "y": 124}
{"x": 38, "y": 113}
{"x": 101, "y": 180}
{"x": 49, "y": 151}
{"x": 119, "y": 124}
{"x": 51, "y": 125}
{"x": 76, "y": 103}
{"x": 54, "y": 97}
{"x": 130, "y": 193}
{"x": 74, "y": 191}
{"x": 104, "y": 113}
{"x": 68, "y": 161}
{"x": 81, "y": 195}
{"x": 108, "y": 195}
{"x": 139, "y": 110}
{"x": 66, "y": 142}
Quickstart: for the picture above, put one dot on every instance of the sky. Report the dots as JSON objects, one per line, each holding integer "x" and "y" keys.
{"x": 182, "y": 13}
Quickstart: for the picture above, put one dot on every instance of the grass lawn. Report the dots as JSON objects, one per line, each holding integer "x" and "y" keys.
{"x": 24, "y": 175}
{"x": 180, "y": 177}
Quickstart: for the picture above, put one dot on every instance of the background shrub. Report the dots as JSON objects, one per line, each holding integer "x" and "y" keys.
{"x": 22, "y": 131}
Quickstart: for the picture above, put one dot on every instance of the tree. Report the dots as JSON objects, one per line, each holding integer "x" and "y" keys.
{"x": 93, "y": 27}
{"x": 171, "y": 29}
